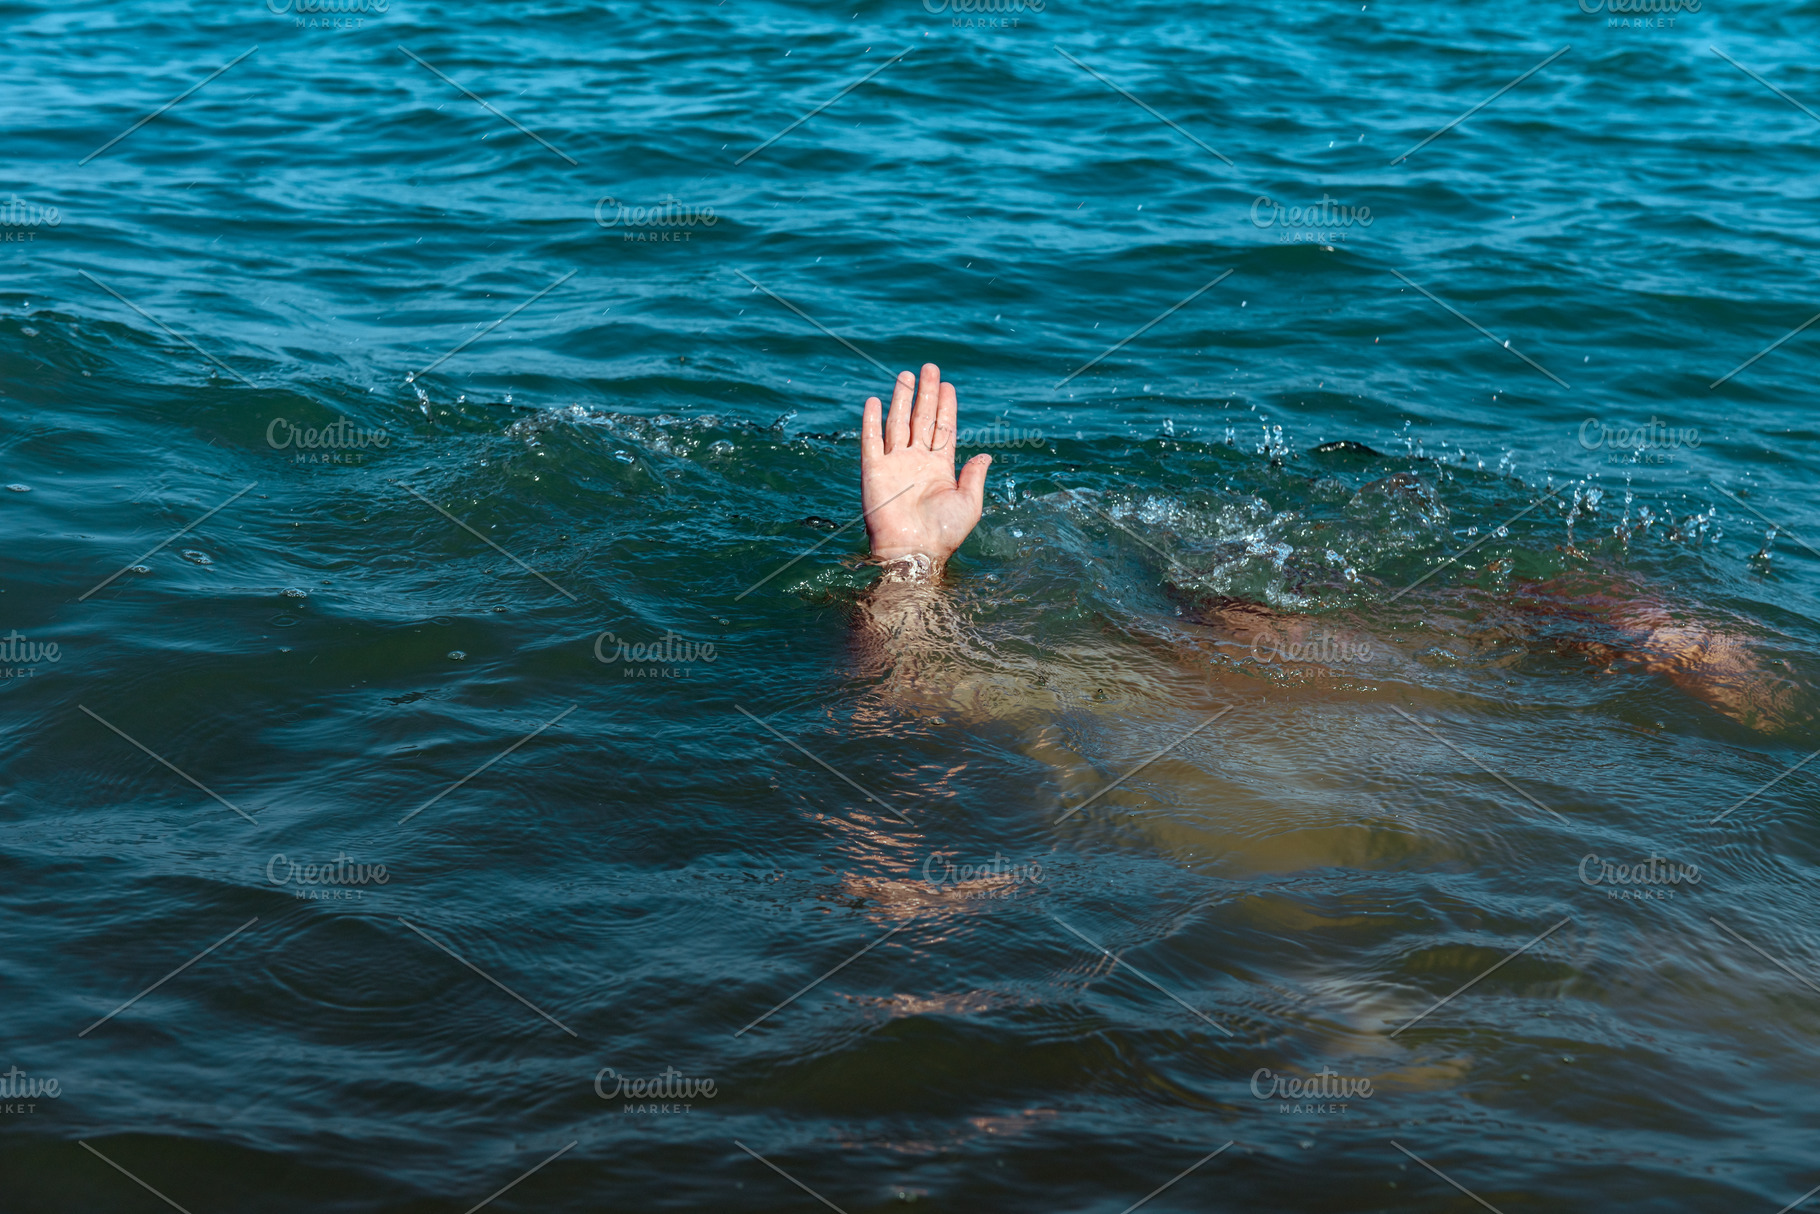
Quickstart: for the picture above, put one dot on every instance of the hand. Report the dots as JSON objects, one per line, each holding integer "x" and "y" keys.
{"x": 912, "y": 501}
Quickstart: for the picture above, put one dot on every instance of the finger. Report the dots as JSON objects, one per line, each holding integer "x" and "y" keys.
{"x": 897, "y": 426}
{"x": 973, "y": 483}
{"x": 871, "y": 433}
{"x": 945, "y": 419}
{"x": 928, "y": 394}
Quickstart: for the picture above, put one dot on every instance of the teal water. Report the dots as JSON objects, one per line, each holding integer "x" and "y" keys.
{"x": 1481, "y": 619}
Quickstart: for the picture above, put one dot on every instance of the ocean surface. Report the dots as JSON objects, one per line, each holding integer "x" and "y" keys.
{"x": 448, "y": 758}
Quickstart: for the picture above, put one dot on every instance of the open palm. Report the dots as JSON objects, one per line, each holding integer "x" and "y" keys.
{"x": 912, "y": 500}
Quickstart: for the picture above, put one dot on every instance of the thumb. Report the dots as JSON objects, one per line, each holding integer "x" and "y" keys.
{"x": 972, "y": 480}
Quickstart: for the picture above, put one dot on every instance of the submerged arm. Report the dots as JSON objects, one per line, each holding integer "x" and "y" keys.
{"x": 917, "y": 514}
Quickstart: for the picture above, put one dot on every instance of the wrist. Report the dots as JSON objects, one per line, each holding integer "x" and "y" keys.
{"x": 888, "y": 547}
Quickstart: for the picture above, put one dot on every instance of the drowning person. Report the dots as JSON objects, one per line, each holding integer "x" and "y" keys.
{"x": 918, "y": 512}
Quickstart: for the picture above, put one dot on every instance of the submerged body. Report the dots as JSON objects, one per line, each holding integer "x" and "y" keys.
{"x": 918, "y": 513}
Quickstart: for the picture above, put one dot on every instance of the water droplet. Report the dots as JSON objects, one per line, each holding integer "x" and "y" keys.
{"x": 456, "y": 655}
{"x": 19, "y": 488}
{"x": 200, "y": 558}
{"x": 292, "y": 592}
